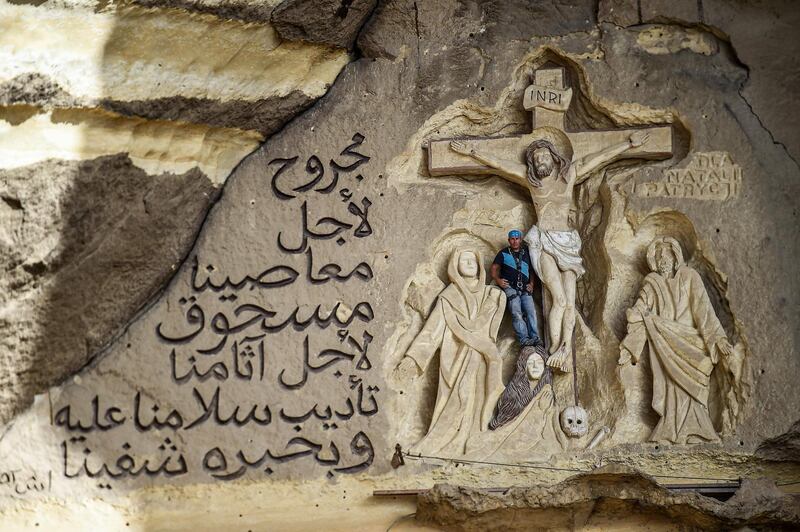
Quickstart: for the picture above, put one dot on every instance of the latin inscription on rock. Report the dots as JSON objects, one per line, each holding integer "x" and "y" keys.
{"x": 708, "y": 176}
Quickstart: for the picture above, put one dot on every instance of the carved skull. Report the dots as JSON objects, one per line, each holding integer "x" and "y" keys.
{"x": 574, "y": 421}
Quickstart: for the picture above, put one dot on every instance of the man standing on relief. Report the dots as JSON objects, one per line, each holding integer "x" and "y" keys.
{"x": 513, "y": 271}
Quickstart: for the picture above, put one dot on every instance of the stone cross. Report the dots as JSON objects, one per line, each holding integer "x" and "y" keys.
{"x": 548, "y": 99}
{"x": 555, "y": 245}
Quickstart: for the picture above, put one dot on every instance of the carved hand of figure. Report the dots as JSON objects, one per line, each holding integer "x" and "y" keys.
{"x": 625, "y": 357}
{"x": 461, "y": 147}
{"x": 724, "y": 347}
{"x": 494, "y": 357}
{"x": 407, "y": 370}
{"x": 638, "y": 138}
{"x": 636, "y": 314}
{"x": 547, "y": 394}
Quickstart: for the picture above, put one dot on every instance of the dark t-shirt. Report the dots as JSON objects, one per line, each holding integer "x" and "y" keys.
{"x": 515, "y": 267}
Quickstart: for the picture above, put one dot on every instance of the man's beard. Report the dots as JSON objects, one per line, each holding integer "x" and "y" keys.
{"x": 543, "y": 170}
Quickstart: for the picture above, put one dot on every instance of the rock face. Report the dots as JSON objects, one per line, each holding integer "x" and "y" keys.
{"x": 118, "y": 128}
{"x": 110, "y": 216}
{"x": 187, "y": 315}
{"x": 783, "y": 447}
{"x": 744, "y": 26}
{"x": 332, "y": 22}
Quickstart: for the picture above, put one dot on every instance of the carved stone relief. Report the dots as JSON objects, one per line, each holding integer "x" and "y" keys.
{"x": 574, "y": 421}
{"x": 554, "y": 165}
{"x": 316, "y": 326}
{"x": 256, "y": 363}
{"x": 475, "y": 415}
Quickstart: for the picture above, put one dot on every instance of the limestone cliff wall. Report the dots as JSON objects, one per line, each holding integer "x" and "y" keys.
{"x": 145, "y": 145}
{"x": 119, "y": 124}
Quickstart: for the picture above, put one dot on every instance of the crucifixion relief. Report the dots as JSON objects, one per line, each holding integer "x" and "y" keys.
{"x": 550, "y": 163}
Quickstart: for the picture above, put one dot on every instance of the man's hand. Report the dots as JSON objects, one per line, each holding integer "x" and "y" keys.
{"x": 529, "y": 287}
{"x": 502, "y": 283}
{"x": 460, "y": 147}
{"x": 638, "y": 138}
{"x": 407, "y": 370}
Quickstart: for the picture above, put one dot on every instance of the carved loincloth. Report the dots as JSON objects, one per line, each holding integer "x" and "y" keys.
{"x": 563, "y": 246}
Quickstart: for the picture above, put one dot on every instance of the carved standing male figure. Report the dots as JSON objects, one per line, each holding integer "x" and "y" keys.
{"x": 674, "y": 317}
{"x": 550, "y": 174}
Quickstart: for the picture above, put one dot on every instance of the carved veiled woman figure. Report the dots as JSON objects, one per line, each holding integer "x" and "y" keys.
{"x": 525, "y": 422}
{"x": 674, "y": 317}
{"x": 463, "y": 327}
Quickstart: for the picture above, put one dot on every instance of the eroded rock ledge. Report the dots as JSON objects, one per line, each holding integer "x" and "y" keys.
{"x": 604, "y": 498}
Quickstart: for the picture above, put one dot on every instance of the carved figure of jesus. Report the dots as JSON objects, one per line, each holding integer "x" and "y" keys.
{"x": 550, "y": 175}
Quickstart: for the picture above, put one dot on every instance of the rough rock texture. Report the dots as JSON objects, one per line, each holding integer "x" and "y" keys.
{"x": 333, "y": 22}
{"x": 30, "y": 136}
{"x": 620, "y": 12}
{"x": 753, "y": 29}
{"x": 114, "y": 234}
{"x": 265, "y": 116}
{"x": 35, "y": 89}
{"x": 279, "y": 258}
{"x": 784, "y": 447}
{"x": 609, "y": 497}
{"x": 191, "y": 67}
{"x": 118, "y": 126}
{"x": 244, "y": 10}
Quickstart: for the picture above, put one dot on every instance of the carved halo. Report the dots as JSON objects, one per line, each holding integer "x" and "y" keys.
{"x": 554, "y": 136}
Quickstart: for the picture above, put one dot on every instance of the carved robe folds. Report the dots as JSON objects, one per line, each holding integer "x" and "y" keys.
{"x": 463, "y": 327}
{"x": 675, "y": 318}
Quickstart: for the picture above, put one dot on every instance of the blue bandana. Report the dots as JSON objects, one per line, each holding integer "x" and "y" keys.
{"x": 515, "y": 233}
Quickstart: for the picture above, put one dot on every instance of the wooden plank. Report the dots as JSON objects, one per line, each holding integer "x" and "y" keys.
{"x": 719, "y": 488}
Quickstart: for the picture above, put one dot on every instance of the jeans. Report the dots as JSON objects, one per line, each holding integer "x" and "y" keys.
{"x": 523, "y": 314}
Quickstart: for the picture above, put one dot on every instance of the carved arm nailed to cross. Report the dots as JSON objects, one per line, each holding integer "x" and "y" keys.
{"x": 518, "y": 173}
